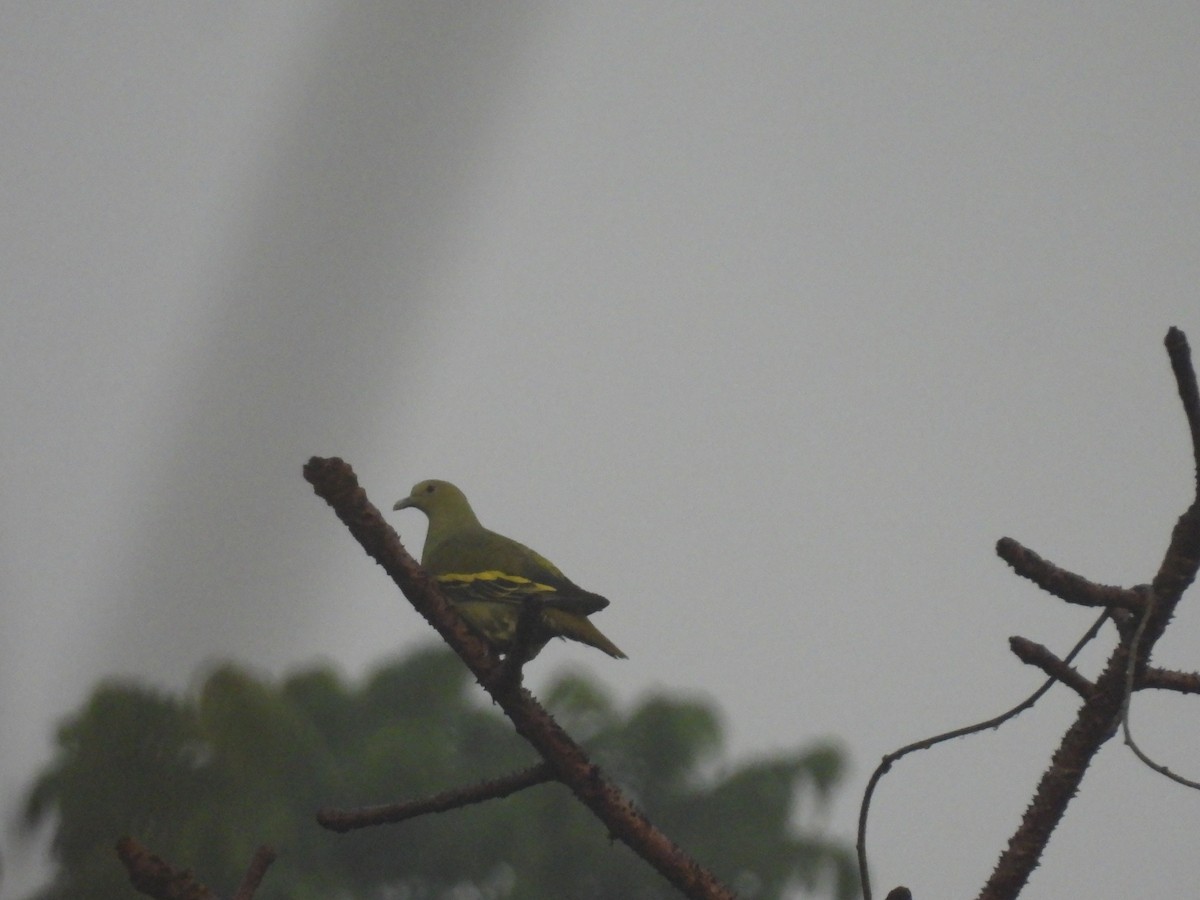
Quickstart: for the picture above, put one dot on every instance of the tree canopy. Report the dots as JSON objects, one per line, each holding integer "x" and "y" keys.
{"x": 206, "y": 777}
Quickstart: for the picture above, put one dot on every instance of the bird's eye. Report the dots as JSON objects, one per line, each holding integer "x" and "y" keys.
{"x": 429, "y": 488}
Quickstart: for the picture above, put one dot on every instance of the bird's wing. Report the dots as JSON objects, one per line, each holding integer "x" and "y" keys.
{"x": 491, "y": 567}
{"x": 493, "y": 586}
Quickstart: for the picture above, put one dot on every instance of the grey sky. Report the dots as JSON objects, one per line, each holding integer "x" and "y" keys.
{"x": 765, "y": 321}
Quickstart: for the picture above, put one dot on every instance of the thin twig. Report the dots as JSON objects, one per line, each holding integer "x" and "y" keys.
{"x": 1125, "y": 728}
{"x": 343, "y": 820}
{"x": 995, "y": 722}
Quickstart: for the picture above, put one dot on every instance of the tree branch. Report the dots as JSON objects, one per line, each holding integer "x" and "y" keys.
{"x": 155, "y": 877}
{"x": 1063, "y": 584}
{"x": 343, "y": 820}
{"x": 1100, "y": 714}
{"x": 1035, "y": 654}
{"x": 886, "y": 763}
{"x": 1169, "y": 680}
{"x": 1189, "y": 395}
{"x": 263, "y": 857}
{"x": 334, "y": 481}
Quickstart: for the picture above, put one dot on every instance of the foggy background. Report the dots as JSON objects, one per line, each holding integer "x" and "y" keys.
{"x": 763, "y": 320}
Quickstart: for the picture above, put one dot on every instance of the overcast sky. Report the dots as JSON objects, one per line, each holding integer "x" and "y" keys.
{"x": 763, "y": 320}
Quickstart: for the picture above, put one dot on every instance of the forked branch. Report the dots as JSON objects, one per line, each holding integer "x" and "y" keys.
{"x": 155, "y": 877}
{"x": 335, "y": 482}
{"x": 1102, "y": 709}
{"x": 1140, "y": 614}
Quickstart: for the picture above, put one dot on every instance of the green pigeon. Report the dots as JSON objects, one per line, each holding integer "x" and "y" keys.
{"x": 488, "y": 576}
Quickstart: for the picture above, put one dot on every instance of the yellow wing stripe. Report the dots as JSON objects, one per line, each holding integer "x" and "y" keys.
{"x": 494, "y": 575}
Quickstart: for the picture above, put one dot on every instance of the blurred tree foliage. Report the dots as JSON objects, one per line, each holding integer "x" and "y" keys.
{"x": 203, "y": 780}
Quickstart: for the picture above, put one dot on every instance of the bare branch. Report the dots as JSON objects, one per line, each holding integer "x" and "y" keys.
{"x": 1095, "y": 724}
{"x": 886, "y": 763}
{"x": 263, "y": 857}
{"x": 343, "y": 820}
{"x": 1182, "y": 559}
{"x": 335, "y": 482}
{"x": 1127, "y": 731}
{"x": 1101, "y": 712}
{"x": 155, "y": 877}
{"x": 1063, "y": 584}
{"x": 1036, "y": 654}
{"x": 1185, "y": 379}
{"x": 1168, "y": 680}
{"x": 1157, "y": 766}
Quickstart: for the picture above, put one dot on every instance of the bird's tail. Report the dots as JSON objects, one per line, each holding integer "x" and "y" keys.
{"x": 578, "y": 628}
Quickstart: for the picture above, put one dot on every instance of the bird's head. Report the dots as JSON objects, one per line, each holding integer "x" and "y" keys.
{"x": 438, "y": 499}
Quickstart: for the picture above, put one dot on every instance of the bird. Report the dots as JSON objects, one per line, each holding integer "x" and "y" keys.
{"x": 488, "y": 577}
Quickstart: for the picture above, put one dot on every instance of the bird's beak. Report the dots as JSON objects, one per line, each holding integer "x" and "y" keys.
{"x": 403, "y": 504}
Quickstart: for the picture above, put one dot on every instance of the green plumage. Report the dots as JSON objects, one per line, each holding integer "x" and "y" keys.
{"x": 488, "y": 577}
